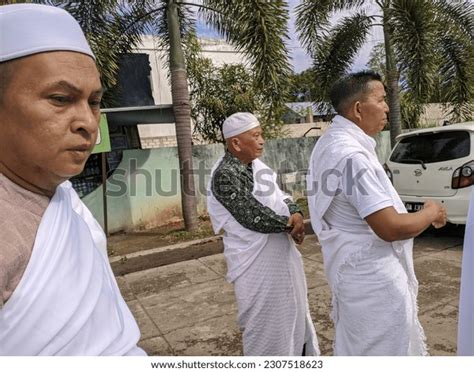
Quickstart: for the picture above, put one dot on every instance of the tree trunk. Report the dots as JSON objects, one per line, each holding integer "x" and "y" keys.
{"x": 182, "y": 114}
{"x": 395, "y": 118}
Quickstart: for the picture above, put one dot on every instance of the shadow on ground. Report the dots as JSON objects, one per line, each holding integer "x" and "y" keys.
{"x": 187, "y": 308}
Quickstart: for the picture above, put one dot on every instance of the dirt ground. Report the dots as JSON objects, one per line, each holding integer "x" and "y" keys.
{"x": 124, "y": 243}
{"x": 130, "y": 242}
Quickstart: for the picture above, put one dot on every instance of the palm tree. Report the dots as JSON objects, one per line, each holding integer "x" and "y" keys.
{"x": 257, "y": 28}
{"x": 424, "y": 40}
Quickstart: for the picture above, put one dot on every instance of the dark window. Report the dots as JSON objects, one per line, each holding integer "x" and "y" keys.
{"x": 134, "y": 81}
{"x": 90, "y": 178}
{"x": 432, "y": 147}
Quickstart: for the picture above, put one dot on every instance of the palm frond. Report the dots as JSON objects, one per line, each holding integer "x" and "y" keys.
{"x": 160, "y": 25}
{"x": 457, "y": 76}
{"x": 458, "y": 16}
{"x": 91, "y": 15}
{"x": 187, "y": 31}
{"x": 338, "y": 50}
{"x": 312, "y": 19}
{"x": 455, "y": 47}
{"x": 348, "y": 4}
{"x": 312, "y": 22}
{"x": 258, "y": 29}
{"x": 413, "y": 38}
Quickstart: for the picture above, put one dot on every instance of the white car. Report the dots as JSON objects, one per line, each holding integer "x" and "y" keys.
{"x": 435, "y": 163}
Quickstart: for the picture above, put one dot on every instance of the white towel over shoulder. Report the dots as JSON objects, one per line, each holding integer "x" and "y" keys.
{"x": 365, "y": 273}
{"x": 268, "y": 276}
{"x": 68, "y": 302}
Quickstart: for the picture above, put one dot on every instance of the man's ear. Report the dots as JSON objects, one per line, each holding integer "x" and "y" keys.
{"x": 356, "y": 111}
{"x": 235, "y": 144}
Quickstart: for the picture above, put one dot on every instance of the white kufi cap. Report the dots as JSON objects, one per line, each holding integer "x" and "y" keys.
{"x": 27, "y": 29}
{"x": 238, "y": 123}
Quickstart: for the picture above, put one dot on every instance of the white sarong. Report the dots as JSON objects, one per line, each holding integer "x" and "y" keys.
{"x": 68, "y": 302}
{"x": 268, "y": 276}
{"x": 466, "y": 298}
{"x": 373, "y": 282}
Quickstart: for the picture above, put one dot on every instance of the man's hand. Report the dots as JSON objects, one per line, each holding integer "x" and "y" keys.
{"x": 297, "y": 233}
{"x": 389, "y": 225}
{"x": 438, "y": 212}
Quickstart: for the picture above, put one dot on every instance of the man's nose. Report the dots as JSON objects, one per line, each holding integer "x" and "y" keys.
{"x": 86, "y": 119}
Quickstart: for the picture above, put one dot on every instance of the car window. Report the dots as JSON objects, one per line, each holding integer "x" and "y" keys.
{"x": 432, "y": 147}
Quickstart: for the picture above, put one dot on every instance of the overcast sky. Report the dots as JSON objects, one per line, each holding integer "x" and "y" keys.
{"x": 299, "y": 59}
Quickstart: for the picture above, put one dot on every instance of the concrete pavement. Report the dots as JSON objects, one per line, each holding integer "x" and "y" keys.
{"x": 187, "y": 308}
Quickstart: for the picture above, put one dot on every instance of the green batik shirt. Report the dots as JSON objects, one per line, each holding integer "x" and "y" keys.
{"x": 232, "y": 186}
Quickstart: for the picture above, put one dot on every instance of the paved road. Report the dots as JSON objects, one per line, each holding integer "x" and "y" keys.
{"x": 188, "y": 308}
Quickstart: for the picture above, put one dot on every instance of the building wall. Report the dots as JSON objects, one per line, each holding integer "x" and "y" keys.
{"x": 157, "y": 142}
{"x": 218, "y": 51}
{"x": 298, "y": 130}
{"x": 433, "y": 115}
{"x": 144, "y": 191}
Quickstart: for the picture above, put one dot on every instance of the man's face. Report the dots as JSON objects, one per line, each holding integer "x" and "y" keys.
{"x": 250, "y": 144}
{"x": 373, "y": 109}
{"x": 49, "y": 117}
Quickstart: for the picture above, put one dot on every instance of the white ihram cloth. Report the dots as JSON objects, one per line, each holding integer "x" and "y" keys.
{"x": 68, "y": 302}
{"x": 466, "y": 300}
{"x": 373, "y": 282}
{"x": 268, "y": 276}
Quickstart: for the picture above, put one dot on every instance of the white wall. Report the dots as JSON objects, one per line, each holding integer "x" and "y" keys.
{"x": 434, "y": 115}
{"x": 217, "y": 50}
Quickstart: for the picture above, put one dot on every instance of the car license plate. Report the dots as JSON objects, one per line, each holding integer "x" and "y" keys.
{"x": 413, "y": 207}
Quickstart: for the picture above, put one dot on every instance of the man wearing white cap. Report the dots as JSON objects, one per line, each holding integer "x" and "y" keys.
{"x": 58, "y": 295}
{"x": 260, "y": 224}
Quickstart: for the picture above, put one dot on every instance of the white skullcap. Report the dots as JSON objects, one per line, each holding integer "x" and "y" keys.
{"x": 238, "y": 123}
{"x": 27, "y": 29}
